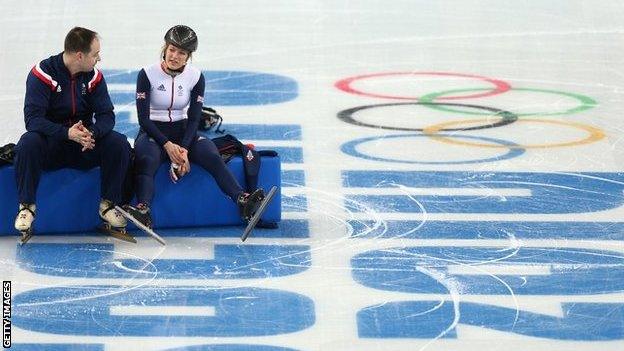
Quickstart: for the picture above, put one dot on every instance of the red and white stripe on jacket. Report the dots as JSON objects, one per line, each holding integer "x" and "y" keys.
{"x": 44, "y": 77}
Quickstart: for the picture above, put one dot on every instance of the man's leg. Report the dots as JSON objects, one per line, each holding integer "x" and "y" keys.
{"x": 112, "y": 155}
{"x": 31, "y": 153}
{"x": 114, "y": 151}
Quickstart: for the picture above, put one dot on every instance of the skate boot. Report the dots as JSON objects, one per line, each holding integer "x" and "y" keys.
{"x": 140, "y": 216}
{"x": 141, "y": 213}
{"x": 248, "y": 203}
{"x": 23, "y": 221}
{"x": 253, "y": 207}
{"x": 114, "y": 224}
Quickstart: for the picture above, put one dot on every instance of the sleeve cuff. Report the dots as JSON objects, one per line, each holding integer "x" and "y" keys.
{"x": 93, "y": 131}
{"x": 64, "y": 133}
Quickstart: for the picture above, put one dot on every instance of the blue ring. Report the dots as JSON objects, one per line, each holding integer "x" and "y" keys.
{"x": 349, "y": 148}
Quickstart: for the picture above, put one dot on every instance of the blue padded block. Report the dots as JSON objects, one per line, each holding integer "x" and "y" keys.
{"x": 67, "y": 199}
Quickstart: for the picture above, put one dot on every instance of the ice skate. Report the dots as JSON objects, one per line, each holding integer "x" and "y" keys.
{"x": 23, "y": 221}
{"x": 141, "y": 217}
{"x": 114, "y": 224}
{"x": 141, "y": 213}
{"x": 253, "y": 206}
{"x": 248, "y": 203}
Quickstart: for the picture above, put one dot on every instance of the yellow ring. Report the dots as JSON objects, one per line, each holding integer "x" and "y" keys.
{"x": 595, "y": 134}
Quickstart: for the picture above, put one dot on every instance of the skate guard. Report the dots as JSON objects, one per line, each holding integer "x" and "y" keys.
{"x": 68, "y": 199}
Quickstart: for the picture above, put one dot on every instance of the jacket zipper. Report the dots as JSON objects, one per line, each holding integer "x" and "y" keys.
{"x": 73, "y": 98}
{"x": 172, "y": 92}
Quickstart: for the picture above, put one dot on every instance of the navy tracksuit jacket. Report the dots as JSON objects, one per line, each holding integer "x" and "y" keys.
{"x": 55, "y": 101}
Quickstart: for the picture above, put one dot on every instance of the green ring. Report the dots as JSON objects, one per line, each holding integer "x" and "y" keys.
{"x": 586, "y": 102}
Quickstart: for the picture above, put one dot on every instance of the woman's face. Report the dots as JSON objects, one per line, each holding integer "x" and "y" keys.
{"x": 175, "y": 58}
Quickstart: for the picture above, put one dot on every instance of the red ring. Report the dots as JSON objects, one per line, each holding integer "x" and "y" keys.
{"x": 499, "y": 86}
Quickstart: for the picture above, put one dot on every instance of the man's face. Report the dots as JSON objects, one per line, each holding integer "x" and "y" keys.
{"x": 90, "y": 59}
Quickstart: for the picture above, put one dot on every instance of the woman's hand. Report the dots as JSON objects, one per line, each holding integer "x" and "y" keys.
{"x": 185, "y": 167}
{"x": 174, "y": 151}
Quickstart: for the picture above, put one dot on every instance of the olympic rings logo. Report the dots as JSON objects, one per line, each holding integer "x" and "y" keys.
{"x": 346, "y": 85}
{"x": 594, "y": 134}
{"x": 445, "y": 132}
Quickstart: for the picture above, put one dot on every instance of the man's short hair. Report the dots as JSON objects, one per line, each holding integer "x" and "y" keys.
{"x": 79, "y": 40}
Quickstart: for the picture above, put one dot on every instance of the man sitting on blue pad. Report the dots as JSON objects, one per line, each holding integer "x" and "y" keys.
{"x": 69, "y": 120}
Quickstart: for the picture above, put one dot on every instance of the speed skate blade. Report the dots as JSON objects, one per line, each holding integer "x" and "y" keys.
{"x": 256, "y": 217}
{"x": 141, "y": 226}
{"x": 117, "y": 234}
{"x": 25, "y": 237}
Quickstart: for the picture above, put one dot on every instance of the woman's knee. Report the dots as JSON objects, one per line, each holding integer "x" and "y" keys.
{"x": 205, "y": 150}
{"x": 146, "y": 162}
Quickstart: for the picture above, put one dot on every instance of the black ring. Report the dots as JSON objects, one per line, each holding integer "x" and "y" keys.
{"x": 507, "y": 117}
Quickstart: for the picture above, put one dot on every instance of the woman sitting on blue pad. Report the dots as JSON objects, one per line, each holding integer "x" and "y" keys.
{"x": 169, "y": 99}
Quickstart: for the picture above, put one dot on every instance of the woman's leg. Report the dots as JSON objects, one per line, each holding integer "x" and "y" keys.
{"x": 205, "y": 153}
{"x": 148, "y": 157}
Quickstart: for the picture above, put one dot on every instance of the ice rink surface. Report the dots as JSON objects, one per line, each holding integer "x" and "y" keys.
{"x": 451, "y": 180}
